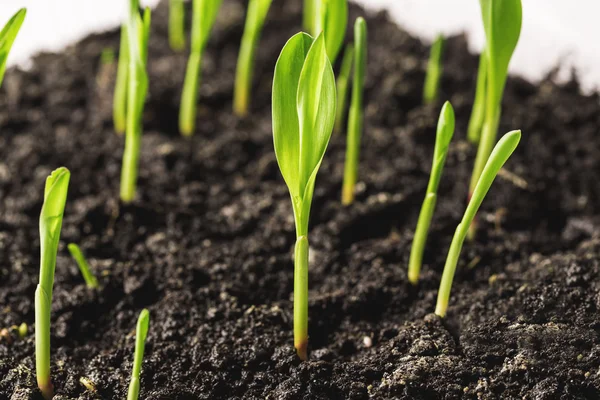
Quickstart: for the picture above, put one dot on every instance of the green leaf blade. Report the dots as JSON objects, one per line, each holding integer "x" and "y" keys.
{"x": 8, "y": 36}
{"x": 335, "y": 20}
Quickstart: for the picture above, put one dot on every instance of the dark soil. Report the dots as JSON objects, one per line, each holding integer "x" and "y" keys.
{"x": 207, "y": 245}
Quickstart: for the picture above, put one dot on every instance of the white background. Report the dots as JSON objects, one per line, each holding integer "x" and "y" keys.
{"x": 565, "y": 32}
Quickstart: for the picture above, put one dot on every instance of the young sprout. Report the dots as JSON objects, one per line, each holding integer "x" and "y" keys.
{"x": 434, "y": 71}
{"x": 84, "y": 267}
{"x": 478, "y": 112}
{"x": 342, "y": 82}
{"x": 141, "y": 332}
{"x": 8, "y": 34}
{"x": 304, "y": 102}
{"x": 445, "y": 130}
{"x": 308, "y": 16}
{"x": 355, "y": 118}
{"x": 55, "y": 197}
{"x": 505, "y": 147}
{"x": 138, "y": 30}
{"x": 331, "y": 17}
{"x": 257, "y": 12}
{"x": 176, "y": 25}
{"x": 502, "y": 24}
{"x": 120, "y": 95}
{"x": 204, "y": 13}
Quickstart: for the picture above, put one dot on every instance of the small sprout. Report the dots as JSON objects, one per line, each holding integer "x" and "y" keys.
{"x": 355, "y": 118}
{"x": 141, "y": 332}
{"x": 87, "y": 382}
{"x": 503, "y": 150}
{"x": 445, "y": 130}
{"x": 204, "y": 13}
{"x": 257, "y": 12}
{"x": 138, "y": 30}
{"x": 342, "y": 82}
{"x": 434, "y": 72}
{"x": 22, "y": 330}
{"x": 502, "y": 24}
{"x": 331, "y": 17}
{"x": 478, "y": 112}
{"x": 304, "y": 101}
{"x": 177, "y": 25}
{"x": 84, "y": 267}
{"x": 55, "y": 197}
{"x": 8, "y": 34}
{"x": 120, "y": 95}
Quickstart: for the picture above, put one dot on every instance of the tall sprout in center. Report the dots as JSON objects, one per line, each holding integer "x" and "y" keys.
{"x": 304, "y": 102}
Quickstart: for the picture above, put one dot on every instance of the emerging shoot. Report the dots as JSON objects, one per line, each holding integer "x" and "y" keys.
{"x": 445, "y": 130}
{"x": 342, "y": 83}
{"x": 355, "y": 118}
{"x": 434, "y": 72}
{"x": 88, "y": 276}
{"x": 478, "y": 112}
{"x": 309, "y": 15}
{"x": 505, "y": 147}
{"x": 55, "y": 197}
{"x": 177, "y": 25}
{"x": 141, "y": 332}
{"x": 257, "y": 12}
{"x": 204, "y": 13}
{"x": 138, "y": 29}
{"x": 331, "y": 17}
{"x": 120, "y": 95}
{"x": 304, "y": 100}
{"x": 502, "y": 24}
{"x": 8, "y": 34}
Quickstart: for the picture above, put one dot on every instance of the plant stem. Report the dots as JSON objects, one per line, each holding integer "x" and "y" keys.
{"x": 434, "y": 72}
{"x": 120, "y": 96}
{"x": 308, "y": 17}
{"x": 301, "y": 297}
{"x": 189, "y": 96}
{"x": 355, "y": 118}
{"x": 176, "y": 25}
{"x": 140, "y": 343}
{"x": 43, "y": 303}
{"x": 343, "y": 81}
{"x": 84, "y": 267}
{"x": 449, "y": 269}
{"x": 418, "y": 245}
{"x": 478, "y": 112}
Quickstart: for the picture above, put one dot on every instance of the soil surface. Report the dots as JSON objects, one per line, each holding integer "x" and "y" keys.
{"x": 207, "y": 246}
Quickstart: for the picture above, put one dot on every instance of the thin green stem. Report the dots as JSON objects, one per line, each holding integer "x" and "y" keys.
{"x": 51, "y": 216}
{"x": 502, "y": 151}
{"x": 140, "y": 343}
{"x": 308, "y": 16}
{"x": 478, "y": 112}
{"x": 301, "y": 297}
{"x": 189, "y": 96}
{"x": 84, "y": 267}
{"x": 434, "y": 72}
{"x": 257, "y": 11}
{"x": 355, "y": 118}
{"x": 342, "y": 83}
{"x": 120, "y": 95}
{"x": 177, "y": 25}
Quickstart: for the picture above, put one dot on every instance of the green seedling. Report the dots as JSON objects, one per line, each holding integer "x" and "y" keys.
{"x": 445, "y": 130}
{"x": 478, "y": 112}
{"x": 8, "y": 34}
{"x": 304, "y": 100}
{"x": 204, "y": 13}
{"x": 505, "y": 147}
{"x": 120, "y": 95}
{"x": 177, "y": 25}
{"x": 331, "y": 17}
{"x": 355, "y": 118}
{"x": 141, "y": 332}
{"x": 55, "y": 197}
{"x": 257, "y": 12}
{"x": 84, "y": 267}
{"x": 434, "y": 72}
{"x": 343, "y": 81}
{"x": 138, "y": 30}
{"x": 309, "y": 15}
{"x": 502, "y": 25}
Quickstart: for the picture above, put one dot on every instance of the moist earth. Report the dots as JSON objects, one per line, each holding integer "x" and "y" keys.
{"x": 207, "y": 245}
